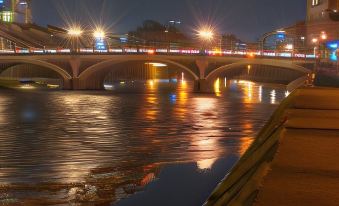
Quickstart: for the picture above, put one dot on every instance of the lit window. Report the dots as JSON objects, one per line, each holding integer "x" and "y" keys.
{"x": 315, "y": 2}
{"x": 7, "y": 16}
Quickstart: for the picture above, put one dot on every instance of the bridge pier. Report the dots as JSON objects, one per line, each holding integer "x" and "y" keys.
{"x": 202, "y": 86}
{"x": 68, "y": 84}
{"x": 75, "y": 84}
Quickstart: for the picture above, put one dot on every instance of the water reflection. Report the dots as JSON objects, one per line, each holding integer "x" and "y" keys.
{"x": 273, "y": 97}
{"x": 217, "y": 90}
{"x": 206, "y": 141}
{"x": 251, "y": 92}
{"x": 98, "y": 147}
{"x": 3, "y": 103}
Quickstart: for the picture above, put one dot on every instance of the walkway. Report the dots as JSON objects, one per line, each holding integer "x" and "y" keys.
{"x": 305, "y": 170}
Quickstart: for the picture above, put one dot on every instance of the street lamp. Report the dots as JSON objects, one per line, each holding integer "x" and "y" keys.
{"x": 75, "y": 33}
{"x": 99, "y": 33}
{"x": 99, "y": 40}
{"x": 323, "y": 35}
{"x": 206, "y": 34}
{"x": 289, "y": 47}
{"x": 317, "y": 47}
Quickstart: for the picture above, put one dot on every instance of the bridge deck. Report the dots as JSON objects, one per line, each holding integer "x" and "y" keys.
{"x": 305, "y": 169}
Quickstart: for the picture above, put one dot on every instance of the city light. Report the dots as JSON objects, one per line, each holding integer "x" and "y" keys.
{"x": 156, "y": 64}
{"x": 206, "y": 33}
{"x": 289, "y": 46}
{"x": 99, "y": 33}
{"x": 217, "y": 90}
{"x": 251, "y": 55}
{"x": 323, "y": 35}
{"x": 75, "y": 31}
{"x": 314, "y": 40}
{"x": 151, "y": 51}
{"x": 249, "y": 67}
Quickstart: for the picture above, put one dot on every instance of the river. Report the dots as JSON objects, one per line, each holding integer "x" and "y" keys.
{"x": 159, "y": 147}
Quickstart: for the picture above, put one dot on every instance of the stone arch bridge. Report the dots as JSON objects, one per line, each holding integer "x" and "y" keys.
{"x": 87, "y": 72}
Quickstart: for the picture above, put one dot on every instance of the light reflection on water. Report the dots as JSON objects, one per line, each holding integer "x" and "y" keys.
{"x": 74, "y": 147}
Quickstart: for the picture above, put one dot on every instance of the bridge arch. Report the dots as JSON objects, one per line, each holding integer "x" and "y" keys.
{"x": 64, "y": 74}
{"x": 110, "y": 62}
{"x": 266, "y": 62}
{"x": 14, "y": 62}
{"x": 84, "y": 77}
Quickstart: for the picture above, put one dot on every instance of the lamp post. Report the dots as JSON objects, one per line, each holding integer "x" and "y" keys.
{"x": 75, "y": 33}
{"x": 206, "y": 35}
{"x": 318, "y": 41}
{"x": 315, "y": 42}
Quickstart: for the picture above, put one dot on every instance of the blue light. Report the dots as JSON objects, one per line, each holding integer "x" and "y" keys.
{"x": 281, "y": 36}
{"x": 333, "y": 56}
{"x": 123, "y": 39}
{"x": 332, "y": 45}
{"x": 173, "y": 98}
{"x": 100, "y": 44}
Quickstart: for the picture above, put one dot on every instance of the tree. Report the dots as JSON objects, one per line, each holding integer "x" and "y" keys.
{"x": 153, "y": 33}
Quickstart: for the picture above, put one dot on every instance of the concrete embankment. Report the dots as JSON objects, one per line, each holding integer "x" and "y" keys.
{"x": 294, "y": 160}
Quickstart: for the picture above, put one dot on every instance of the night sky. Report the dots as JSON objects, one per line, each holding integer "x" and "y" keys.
{"x": 248, "y": 19}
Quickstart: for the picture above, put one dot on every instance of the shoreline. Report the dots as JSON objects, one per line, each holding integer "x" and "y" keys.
{"x": 267, "y": 171}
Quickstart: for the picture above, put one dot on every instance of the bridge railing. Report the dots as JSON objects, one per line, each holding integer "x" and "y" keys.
{"x": 164, "y": 51}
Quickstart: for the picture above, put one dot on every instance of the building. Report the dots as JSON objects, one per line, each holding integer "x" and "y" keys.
{"x": 321, "y": 27}
{"x": 16, "y": 11}
{"x": 322, "y": 18}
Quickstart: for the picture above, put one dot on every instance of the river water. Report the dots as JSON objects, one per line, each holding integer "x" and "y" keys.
{"x": 159, "y": 147}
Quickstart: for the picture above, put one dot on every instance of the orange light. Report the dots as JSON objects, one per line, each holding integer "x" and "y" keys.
{"x": 99, "y": 34}
{"x": 323, "y": 35}
{"x": 75, "y": 31}
{"x": 251, "y": 55}
{"x": 151, "y": 51}
{"x": 217, "y": 52}
{"x": 206, "y": 33}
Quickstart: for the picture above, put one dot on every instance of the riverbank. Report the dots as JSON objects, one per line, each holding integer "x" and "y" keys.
{"x": 293, "y": 161}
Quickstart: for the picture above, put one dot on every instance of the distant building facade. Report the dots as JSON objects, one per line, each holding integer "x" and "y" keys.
{"x": 321, "y": 26}
{"x": 322, "y": 17}
{"x": 16, "y": 11}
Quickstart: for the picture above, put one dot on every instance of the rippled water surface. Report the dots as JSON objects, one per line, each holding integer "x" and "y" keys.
{"x": 95, "y": 148}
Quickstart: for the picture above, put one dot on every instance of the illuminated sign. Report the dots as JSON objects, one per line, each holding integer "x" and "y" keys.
{"x": 333, "y": 47}
{"x": 100, "y": 44}
{"x": 281, "y": 36}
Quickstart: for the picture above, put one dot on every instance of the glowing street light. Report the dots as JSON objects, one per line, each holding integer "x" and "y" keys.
{"x": 289, "y": 46}
{"x": 314, "y": 40}
{"x": 99, "y": 34}
{"x": 100, "y": 43}
{"x": 323, "y": 35}
{"x": 75, "y": 32}
{"x": 206, "y": 33}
